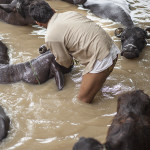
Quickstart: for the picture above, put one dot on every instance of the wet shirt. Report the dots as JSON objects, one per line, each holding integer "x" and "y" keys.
{"x": 72, "y": 34}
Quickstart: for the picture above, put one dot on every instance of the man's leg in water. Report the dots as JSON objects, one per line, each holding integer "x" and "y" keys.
{"x": 92, "y": 83}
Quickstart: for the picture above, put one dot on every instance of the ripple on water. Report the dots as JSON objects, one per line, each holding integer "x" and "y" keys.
{"x": 42, "y": 117}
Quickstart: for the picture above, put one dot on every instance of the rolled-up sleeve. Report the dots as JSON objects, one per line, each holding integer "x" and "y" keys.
{"x": 60, "y": 52}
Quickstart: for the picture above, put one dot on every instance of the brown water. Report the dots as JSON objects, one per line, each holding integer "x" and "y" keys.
{"x": 43, "y": 118}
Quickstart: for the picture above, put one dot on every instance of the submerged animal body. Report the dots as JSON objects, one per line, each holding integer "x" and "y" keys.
{"x": 130, "y": 128}
{"x": 4, "y": 124}
{"x": 88, "y": 144}
{"x": 133, "y": 39}
{"x": 114, "y": 9}
{"x": 15, "y": 12}
{"x": 36, "y": 71}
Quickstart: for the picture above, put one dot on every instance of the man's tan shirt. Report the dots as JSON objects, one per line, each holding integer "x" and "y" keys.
{"x": 71, "y": 33}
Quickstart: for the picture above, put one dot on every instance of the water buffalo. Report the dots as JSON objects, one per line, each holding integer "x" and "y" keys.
{"x": 88, "y": 144}
{"x": 130, "y": 128}
{"x": 114, "y": 10}
{"x": 16, "y": 12}
{"x": 36, "y": 71}
{"x": 4, "y": 124}
{"x": 133, "y": 39}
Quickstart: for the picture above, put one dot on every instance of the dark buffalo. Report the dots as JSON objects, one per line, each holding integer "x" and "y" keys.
{"x": 88, "y": 144}
{"x": 16, "y": 12}
{"x": 107, "y": 9}
{"x": 36, "y": 71}
{"x": 130, "y": 129}
{"x": 4, "y": 124}
{"x": 133, "y": 39}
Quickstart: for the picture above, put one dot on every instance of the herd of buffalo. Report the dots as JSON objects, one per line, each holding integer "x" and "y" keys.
{"x": 130, "y": 128}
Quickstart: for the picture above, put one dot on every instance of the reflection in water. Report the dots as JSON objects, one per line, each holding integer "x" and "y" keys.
{"x": 42, "y": 117}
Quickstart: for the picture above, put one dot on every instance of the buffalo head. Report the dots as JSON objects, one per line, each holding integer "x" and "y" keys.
{"x": 133, "y": 40}
{"x": 130, "y": 128}
{"x": 19, "y": 6}
{"x": 87, "y": 144}
{"x": 131, "y": 123}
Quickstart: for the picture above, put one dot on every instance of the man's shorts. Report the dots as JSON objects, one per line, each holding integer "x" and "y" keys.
{"x": 107, "y": 62}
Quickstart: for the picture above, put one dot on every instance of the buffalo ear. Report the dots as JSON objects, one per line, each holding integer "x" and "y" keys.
{"x": 118, "y": 32}
{"x": 148, "y": 33}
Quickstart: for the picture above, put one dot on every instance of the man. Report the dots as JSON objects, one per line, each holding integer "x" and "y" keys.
{"x": 72, "y": 34}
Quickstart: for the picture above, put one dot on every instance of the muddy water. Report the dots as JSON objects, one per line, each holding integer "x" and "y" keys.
{"x": 42, "y": 117}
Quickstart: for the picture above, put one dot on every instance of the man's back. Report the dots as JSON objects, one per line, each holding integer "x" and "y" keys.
{"x": 79, "y": 36}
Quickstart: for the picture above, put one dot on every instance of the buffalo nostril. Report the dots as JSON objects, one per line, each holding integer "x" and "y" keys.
{"x": 130, "y": 52}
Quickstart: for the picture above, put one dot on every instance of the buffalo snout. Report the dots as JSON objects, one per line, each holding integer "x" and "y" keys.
{"x": 130, "y": 51}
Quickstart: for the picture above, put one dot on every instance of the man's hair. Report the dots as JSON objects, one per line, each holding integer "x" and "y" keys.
{"x": 41, "y": 11}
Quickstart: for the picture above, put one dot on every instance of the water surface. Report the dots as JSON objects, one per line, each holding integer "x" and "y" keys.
{"x": 43, "y": 117}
